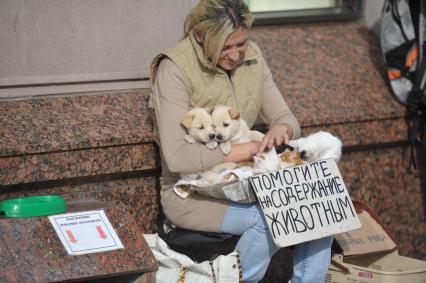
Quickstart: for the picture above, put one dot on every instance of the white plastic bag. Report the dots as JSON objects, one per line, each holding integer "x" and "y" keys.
{"x": 175, "y": 267}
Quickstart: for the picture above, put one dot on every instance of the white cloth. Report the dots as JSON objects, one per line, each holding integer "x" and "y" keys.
{"x": 226, "y": 268}
{"x": 195, "y": 182}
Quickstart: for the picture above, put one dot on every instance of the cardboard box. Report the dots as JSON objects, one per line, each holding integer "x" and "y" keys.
{"x": 370, "y": 255}
{"x": 378, "y": 268}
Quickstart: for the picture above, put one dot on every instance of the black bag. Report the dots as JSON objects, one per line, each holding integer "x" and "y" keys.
{"x": 402, "y": 39}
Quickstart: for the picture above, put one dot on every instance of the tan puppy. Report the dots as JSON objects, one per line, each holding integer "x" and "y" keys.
{"x": 198, "y": 123}
{"x": 230, "y": 128}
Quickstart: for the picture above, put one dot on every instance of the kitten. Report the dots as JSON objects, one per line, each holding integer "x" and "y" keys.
{"x": 291, "y": 157}
{"x": 319, "y": 145}
{"x": 267, "y": 161}
{"x": 271, "y": 161}
{"x": 262, "y": 163}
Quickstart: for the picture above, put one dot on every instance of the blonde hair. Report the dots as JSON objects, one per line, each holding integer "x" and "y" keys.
{"x": 215, "y": 20}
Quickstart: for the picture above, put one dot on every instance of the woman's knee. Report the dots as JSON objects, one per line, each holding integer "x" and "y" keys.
{"x": 242, "y": 217}
{"x": 258, "y": 219}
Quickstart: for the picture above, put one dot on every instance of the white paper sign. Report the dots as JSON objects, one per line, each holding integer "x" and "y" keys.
{"x": 85, "y": 232}
{"x": 305, "y": 202}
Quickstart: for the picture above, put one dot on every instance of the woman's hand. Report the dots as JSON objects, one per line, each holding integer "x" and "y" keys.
{"x": 243, "y": 151}
{"x": 277, "y": 135}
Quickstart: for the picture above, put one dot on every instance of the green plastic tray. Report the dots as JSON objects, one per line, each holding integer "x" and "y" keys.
{"x": 33, "y": 206}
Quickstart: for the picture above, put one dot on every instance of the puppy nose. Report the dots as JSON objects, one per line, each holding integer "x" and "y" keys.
{"x": 219, "y": 136}
{"x": 212, "y": 136}
{"x": 303, "y": 154}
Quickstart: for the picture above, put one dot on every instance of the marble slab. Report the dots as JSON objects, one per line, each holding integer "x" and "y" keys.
{"x": 329, "y": 72}
{"x": 138, "y": 193}
{"x": 78, "y": 163}
{"x": 32, "y": 252}
{"x": 81, "y": 121}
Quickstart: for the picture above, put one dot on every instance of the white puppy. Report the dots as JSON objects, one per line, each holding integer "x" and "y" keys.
{"x": 198, "y": 123}
{"x": 230, "y": 128}
{"x": 319, "y": 145}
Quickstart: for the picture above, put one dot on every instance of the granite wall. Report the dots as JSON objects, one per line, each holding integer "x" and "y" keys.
{"x": 100, "y": 146}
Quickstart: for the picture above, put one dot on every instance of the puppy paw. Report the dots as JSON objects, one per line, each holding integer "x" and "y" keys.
{"x": 225, "y": 148}
{"x": 212, "y": 145}
{"x": 256, "y": 136}
{"x": 189, "y": 139}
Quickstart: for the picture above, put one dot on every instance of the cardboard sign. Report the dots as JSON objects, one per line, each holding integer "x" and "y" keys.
{"x": 372, "y": 238}
{"x": 85, "y": 232}
{"x": 305, "y": 202}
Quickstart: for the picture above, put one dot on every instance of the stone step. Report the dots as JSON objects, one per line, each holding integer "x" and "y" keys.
{"x": 56, "y": 138}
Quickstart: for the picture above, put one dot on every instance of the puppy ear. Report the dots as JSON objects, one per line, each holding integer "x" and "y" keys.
{"x": 210, "y": 110}
{"x": 186, "y": 120}
{"x": 234, "y": 113}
